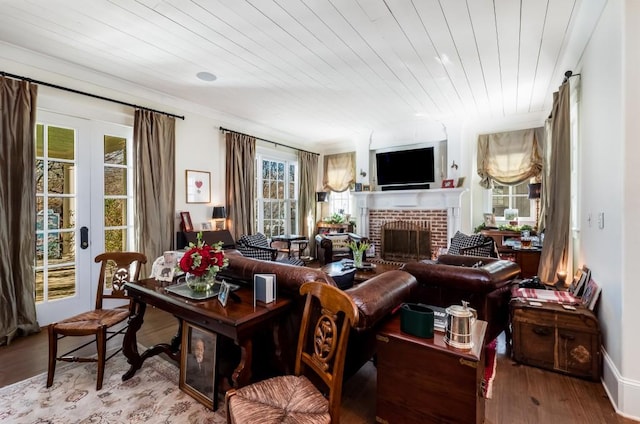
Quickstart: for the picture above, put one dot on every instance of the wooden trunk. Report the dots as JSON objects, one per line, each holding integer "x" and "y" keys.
{"x": 427, "y": 381}
{"x": 557, "y": 339}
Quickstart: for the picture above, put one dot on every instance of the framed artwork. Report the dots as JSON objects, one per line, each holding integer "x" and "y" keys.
{"x": 366, "y": 188}
{"x": 198, "y": 186}
{"x": 206, "y": 226}
{"x": 490, "y": 220}
{"x": 358, "y": 187}
{"x": 460, "y": 182}
{"x": 198, "y": 364}
{"x": 580, "y": 284}
{"x": 447, "y": 184}
{"x": 185, "y": 222}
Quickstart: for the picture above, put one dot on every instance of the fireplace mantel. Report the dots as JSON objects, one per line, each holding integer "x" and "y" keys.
{"x": 449, "y": 199}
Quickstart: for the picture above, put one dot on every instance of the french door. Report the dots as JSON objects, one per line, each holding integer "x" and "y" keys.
{"x": 84, "y": 206}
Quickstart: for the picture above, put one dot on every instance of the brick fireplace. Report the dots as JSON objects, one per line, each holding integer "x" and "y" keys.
{"x": 438, "y": 209}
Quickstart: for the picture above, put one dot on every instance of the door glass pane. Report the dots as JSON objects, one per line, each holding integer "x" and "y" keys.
{"x": 115, "y": 150}
{"x": 39, "y": 140}
{"x": 39, "y": 286}
{"x": 115, "y": 212}
{"x": 61, "y": 143}
{"x": 61, "y": 282}
{"x": 115, "y": 181}
{"x": 61, "y": 248}
{"x": 62, "y": 212}
{"x": 115, "y": 240}
{"x": 39, "y": 175}
{"x": 61, "y": 178}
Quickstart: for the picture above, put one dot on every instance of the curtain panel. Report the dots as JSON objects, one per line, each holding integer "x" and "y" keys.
{"x": 240, "y": 183}
{"x": 339, "y": 171}
{"x": 556, "y": 190}
{"x": 509, "y": 157}
{"x": 307, "y": 218}
{"x": 17, "y": 209}
{"x": 154, "y": 181}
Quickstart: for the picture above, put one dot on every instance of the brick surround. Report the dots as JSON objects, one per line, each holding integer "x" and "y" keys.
{"x": 437, "y": 218}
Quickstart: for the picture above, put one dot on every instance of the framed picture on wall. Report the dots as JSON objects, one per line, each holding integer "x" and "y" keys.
{"x": 198, "y": 185}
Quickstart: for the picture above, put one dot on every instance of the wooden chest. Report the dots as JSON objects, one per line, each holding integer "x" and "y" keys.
{"x": 426, "y": 380}
{"x": 557, "y": 339}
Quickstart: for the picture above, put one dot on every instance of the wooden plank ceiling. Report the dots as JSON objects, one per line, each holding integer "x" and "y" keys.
{"x": 316, "y": 70}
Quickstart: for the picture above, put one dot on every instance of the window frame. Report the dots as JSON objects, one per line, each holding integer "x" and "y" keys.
{"x": 291, "y": 223}
{"x": 511, "y": 198}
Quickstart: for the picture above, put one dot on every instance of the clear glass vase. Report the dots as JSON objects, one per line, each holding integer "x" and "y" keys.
{"x": 200, "y": 283}
{"x": 357, "y": 258}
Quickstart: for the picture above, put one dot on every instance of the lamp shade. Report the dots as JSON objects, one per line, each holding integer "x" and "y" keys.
{"x": 322, "y": 196}
{"x": 534, "y": 190}
{"x": 219, "y": 212}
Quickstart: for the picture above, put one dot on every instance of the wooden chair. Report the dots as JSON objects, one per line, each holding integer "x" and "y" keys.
{"x": 327, "y": 319}
{"x": 98, "y": 322}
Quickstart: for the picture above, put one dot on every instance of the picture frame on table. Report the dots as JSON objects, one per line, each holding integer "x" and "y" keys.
{"x": 448, "y": 184}
{"x": 591, "y": 294}
{"x": 198, "y": 186}
{"x": 185, "y": 222}
{"x": 490, "y": 220}
{"x": 206, "y": 226}
{"x": 581, "y": 283}
{"x": 223, "y": 295}
{"x": 198, "y": 364}
{"x": 358, "y": 187}
{"x": 366, "y": 187}
{"x": 460, "y": 182}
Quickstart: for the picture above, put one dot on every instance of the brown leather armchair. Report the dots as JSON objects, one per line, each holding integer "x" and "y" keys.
{"x": 484, "y": 282}
{"x": 333, "y": 247}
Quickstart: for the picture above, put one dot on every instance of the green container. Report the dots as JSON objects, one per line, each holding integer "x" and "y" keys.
{"x": 417, "y": 320}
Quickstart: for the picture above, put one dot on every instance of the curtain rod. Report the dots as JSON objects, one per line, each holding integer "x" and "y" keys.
{"x": 95, "y": 96}
{"x": 568, "y": 75}
{"x": 269, "y": 141}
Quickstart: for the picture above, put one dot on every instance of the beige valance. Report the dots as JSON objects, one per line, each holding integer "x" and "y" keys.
{"x": 510, "y": 157}
{"x": 339, "y": 171}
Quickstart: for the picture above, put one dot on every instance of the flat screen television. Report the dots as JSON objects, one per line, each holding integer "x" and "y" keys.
{"x": 401, "y": 167}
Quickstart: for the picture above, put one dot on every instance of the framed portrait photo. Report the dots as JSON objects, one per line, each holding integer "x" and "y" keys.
{"x": 198, "y": 184}
{"x": 185, "y": 222}
{"x": 490, "y": 220}
{"x": 223, "y": 295}
{"x": 198, "y": 364}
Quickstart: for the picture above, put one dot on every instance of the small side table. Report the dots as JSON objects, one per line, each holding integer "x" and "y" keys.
{"x": 302, "y": 242}
{"x": 426, "y": 380}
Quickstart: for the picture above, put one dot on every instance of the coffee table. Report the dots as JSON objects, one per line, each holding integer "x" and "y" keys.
{"x": 362, "y": 274}
{"x": 239, "y": 321}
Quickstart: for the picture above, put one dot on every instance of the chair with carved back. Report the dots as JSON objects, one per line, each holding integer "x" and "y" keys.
{"x": 116, "y": 269}
{"x": 314, "y": 393}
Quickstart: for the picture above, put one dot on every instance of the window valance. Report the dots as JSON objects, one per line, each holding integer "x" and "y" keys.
{"x": 339, "y": 171}
{"x": 510, "y": 157}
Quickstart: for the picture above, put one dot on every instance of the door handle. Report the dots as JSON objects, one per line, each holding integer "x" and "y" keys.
{"x": 84, "y": 237}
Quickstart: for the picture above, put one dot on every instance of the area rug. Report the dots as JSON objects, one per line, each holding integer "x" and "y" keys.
{"x": 150, "y": 396}
{"x": 490, "y": 362}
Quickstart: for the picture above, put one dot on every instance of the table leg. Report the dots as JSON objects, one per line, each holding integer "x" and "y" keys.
{"x": 242, "y": 374}
{"x": 130, "y": 341}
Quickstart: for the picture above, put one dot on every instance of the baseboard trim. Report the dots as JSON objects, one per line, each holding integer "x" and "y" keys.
{"x": 623, "y": 393}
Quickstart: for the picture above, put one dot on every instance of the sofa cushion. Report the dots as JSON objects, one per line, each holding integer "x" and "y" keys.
{"x": 340, "y": 242}
{"x": 461, "y": 240}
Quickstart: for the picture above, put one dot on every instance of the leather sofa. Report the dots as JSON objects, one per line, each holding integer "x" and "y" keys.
{"x": 484, "y": 282}
{"x": 375, "y": 298}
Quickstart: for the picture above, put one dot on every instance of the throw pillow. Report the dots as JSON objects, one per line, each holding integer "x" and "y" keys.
{"x": 461, "y": 240}
{"x": 339, "y": 242}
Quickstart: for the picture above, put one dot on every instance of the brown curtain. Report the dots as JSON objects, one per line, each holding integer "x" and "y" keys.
{"x": 308, "y": 163}
{"x": 509, "y": 157}
{"x": 339, "y": 171}
{"x": 556, "y": 190}
{"x": 154, "y": 179}
{"x": 240, "y": 183}
{"x": 17, "y": 209}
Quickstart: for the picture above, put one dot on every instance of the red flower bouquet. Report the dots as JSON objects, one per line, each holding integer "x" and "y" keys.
{"x": 203, "y": 261}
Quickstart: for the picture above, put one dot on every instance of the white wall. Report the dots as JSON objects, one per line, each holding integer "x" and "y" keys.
{"x": 609, "y": 130}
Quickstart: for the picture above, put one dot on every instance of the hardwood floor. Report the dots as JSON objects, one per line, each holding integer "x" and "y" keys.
{"x": 521, "y": 394}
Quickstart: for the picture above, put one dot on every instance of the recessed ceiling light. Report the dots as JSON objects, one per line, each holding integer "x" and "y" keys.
{"x": 206, "y": 76}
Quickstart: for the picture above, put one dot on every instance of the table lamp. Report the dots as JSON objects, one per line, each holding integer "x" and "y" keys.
{"x": 219, "y": 216}
{"x": 534, "y": 193}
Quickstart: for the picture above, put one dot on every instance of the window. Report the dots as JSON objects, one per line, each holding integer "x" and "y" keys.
{"x": 340, "y": 202}
{"x": 277, "y": 195}
{"x": 513, "y": 197}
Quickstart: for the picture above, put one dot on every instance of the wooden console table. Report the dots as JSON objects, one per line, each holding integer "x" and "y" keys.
{"x": 238, "y": 320}
{"x": 326, "y": 227}
{"x": 426, "y": 380}
{"x": 527, "y": 259}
